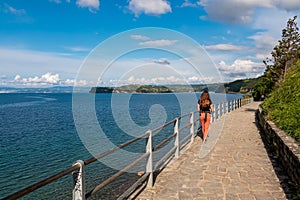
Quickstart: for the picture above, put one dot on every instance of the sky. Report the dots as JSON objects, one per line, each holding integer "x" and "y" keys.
{"x": 102, "y": 42}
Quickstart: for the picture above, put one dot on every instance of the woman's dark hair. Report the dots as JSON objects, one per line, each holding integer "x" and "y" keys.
{"x": 205, "y": 99}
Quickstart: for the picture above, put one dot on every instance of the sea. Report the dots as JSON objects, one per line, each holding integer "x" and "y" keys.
{"x": 42, "y": 134}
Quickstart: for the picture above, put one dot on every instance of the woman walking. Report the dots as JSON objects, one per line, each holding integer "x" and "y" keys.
{"x": 205, "y": 108}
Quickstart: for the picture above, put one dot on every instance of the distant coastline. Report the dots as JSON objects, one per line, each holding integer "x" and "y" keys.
{"x": 244, "y": 86}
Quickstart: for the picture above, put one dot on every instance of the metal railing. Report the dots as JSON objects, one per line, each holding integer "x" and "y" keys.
{"x": 78, "y": 168}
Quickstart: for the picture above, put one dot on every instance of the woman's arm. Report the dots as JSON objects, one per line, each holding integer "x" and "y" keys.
{"x": 211, "y": 107}
{"x": 198, "y": 107}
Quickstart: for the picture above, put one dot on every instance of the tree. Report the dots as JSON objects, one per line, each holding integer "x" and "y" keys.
{"x": 284, "y": 54}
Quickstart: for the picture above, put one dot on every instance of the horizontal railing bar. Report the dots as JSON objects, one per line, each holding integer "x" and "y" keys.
{"x": 133, "y": 187}
{"x": 116, "y": 175}
{"x": 114, "y": 149}
{"x": 184, "y": 141}
{"x": 195, "y": 121}
{"x": 163, "y": 142}
{"x": 182, "y": 116}
{"x": 163, "y": 126}
{"x": 185, "y": 126}
{"x": 165, "y": 157}
{"x": 170, "y": 122}
{"x": 40, "y": 184}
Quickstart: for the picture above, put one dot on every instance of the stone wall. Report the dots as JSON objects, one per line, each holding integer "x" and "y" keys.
{"x": 284, "y": 146}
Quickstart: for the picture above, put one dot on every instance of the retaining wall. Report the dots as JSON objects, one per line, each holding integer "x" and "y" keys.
{"x": 284, "y": 146}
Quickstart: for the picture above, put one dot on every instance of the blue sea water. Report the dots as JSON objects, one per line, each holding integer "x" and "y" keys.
{"x": 38, "y": 135}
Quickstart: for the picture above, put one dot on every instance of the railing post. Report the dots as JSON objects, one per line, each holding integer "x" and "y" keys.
{"x": 213, "y": 115}
{"x": 234, "y": 104}
{"x": 78, "y": 181}
{"x": 149, "y": 167}
{"x": 217, "y": 111}
{"x": 223, "y": 108}
{"x": 192, "y": 126}
{"x": 176, "y": 143}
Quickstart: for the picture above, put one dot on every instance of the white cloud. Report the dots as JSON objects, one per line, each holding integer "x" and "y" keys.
{"x": 82, "y": 83}
{"x": 16, "y": 15}
{"x": 78, "y": 49}
{"x": 153, "y": 7}
{"x": 232, "y": 11}
{"x": 158, "y": 43}
{"x": 224, "y": 47}
{"x": 9, "y": 9}
{"x": 45, "y": 79}
{"x": 187, "y": 3}
{"x": 288, "y": 5}
{"x": 139, "y": 37}
{"x": 92, "y": 5}
{"x": 241, "y": 69}
{"x": 59, "y": 1}
{"x": 69, "y": 82}
{"x": 49, "y": 78}
{"x": 242, "y": 12}
{"x": 198, "y": 79}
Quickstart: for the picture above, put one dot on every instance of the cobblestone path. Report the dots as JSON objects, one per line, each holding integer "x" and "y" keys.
{"x": 232, "y": 164}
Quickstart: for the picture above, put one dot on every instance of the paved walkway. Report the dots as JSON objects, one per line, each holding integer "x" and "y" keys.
{"x": 233, "y": 164}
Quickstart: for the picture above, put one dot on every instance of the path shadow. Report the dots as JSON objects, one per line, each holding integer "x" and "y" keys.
{"x": 286, "y": 183}
{"x": 250, "y": 110}
{"x": 199, "y": 132}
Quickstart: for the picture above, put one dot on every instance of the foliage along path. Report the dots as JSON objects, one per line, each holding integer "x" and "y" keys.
{"x": 237, "y": 167}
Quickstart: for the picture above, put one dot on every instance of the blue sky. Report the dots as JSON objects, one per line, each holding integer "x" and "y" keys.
{"x": 48, "y": 42}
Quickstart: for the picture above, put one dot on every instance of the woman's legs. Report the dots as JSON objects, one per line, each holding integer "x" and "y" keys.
{"x": 201, "y": 118}
{"x": 205, "y": 124}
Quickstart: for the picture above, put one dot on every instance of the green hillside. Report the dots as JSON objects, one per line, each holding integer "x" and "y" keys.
{"x": 242, "y": 86}
{"x": 283, "y": 105}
